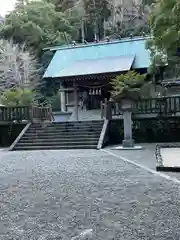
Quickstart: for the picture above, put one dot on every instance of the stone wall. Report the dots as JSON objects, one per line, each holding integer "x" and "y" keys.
{"x": 147, "y": 130}
{"x": 8, "y": 133}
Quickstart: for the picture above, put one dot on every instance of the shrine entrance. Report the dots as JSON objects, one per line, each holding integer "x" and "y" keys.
{"x": 94, "y": 102}
{"x": 94, "y": 96}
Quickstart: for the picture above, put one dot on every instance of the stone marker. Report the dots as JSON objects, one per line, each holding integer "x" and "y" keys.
{"x": 128, "y": 142}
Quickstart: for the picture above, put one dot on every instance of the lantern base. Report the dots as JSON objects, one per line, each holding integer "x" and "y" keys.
{"x": 128, "y": 148}
{"x": 128, "y": 143}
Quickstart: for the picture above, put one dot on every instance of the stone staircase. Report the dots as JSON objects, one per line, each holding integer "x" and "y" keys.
{"x": 65, "y": 135}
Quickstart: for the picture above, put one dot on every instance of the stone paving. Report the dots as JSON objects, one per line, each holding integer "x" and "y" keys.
{"x": 171, "y": 157}
{"x": 85, "y": 194}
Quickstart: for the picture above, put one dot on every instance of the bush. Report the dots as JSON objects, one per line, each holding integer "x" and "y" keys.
{"x": 127, "y": 85}
{"x": 17, "y": 97}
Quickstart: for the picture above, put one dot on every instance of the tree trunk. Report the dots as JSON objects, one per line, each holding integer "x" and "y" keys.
{"x": 82, "y": 30}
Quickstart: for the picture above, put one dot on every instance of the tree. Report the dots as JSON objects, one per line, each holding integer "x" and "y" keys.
{"x": 97, "y": 12}
{"x": 20, "y": 3}
{"x": 148, "y": 2}
{"x": 127, "y": 85}
{"x": 62, "y": 5}
{"x": 39, "y": 25}
{"x": 165, "y": 42}
{"x": 17, "y": 97}
{"x": 129, "y": 18}
{"x": 165, "y": 25}
{"x": 18, "y": 67}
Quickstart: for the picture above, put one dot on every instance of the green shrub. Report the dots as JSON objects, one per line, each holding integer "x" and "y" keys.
{"x": 17, "y": 97}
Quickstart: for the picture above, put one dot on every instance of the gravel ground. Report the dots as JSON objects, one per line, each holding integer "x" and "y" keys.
{"x": 145, "y": 157}
{"x": 84, "y": 194}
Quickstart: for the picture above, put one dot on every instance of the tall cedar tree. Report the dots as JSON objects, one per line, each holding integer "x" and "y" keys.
{"x": 97, "y": 12}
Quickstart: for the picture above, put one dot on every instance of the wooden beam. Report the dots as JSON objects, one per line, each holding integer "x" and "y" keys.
{"x": 75, "y": 102}
{"x": 66, "y": 90}
{"x": 62, "y": 98}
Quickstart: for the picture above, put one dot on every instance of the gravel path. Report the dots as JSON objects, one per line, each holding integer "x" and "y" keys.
{"x": 87, "y": 194}
{"x": 145, "y": 157}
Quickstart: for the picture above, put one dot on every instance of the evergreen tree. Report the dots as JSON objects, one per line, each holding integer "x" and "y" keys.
{"x": 38, "y": 25}
{"x": 62, "y": 5}
{"x": 97, "y": 12}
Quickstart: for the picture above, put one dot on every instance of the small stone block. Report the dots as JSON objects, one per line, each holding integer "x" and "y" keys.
{"x": 128, "y": 143}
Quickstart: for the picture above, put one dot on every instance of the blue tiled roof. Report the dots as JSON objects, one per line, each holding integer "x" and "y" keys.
{"x": 65, "y": 59}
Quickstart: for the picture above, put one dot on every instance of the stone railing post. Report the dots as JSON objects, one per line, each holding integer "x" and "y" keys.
{"x": 108, "y": 110}
{"x": 105, "y": 108}
{"x": 102, "y": 109}
{"x": 31, "y": 113}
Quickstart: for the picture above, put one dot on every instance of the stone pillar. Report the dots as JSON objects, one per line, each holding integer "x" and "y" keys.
{"x": 62, "y": 98}
{"x": 75, "y": 102}
{"x": 128, "y": 141}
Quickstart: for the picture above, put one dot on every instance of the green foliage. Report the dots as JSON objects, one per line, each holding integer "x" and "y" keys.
{"x": 148, "y": 2}
{"x": 45, "y": 23}
{"x": 97, "y": 9}
{"x": 97, "y": 12}
{"x": 147, "y": 130}
{"x": 62, "y": 5}
{"x": 165, "y": 25}
{"x": 158, "y": 58}
{"x": 38, "y": 25}
{"x": 165, "y": 42}
{"x": 127, "y": 85}
{"x": 17, "y": 97}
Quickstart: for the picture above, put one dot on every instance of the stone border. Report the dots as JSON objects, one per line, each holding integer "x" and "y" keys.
{"x": 103, "y": 134}
{"x": 19, "y": 136}
{"x": 159, "y": 164}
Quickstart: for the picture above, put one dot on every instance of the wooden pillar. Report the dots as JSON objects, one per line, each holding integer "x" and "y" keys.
{"x": 75, "y": 102}
{"x": 62, "y": 99}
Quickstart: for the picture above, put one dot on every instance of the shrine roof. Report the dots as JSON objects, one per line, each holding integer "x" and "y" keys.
{"x": 105, "y": 57}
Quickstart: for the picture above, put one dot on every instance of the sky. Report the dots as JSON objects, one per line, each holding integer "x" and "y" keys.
{"x": 6, "y": 6}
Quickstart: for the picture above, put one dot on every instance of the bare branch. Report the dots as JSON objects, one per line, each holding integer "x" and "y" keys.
{"x": 18, "y": 67}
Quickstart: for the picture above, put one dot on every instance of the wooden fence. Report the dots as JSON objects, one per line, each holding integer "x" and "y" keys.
{"x": 25, "y": 113}
{"x": 161, "y": 106}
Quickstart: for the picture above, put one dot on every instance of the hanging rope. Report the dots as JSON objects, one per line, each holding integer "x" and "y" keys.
{"x": 98, "y": 86}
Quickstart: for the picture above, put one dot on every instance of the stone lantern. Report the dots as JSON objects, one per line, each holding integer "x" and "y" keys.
{"x": 126, "y": 104}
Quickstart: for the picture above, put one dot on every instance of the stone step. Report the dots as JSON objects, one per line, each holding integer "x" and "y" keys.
{"x": 26, "y": 148}
{"x": 68, "y": 124}
{"x": 69, "y": 135}
{"x": 72, "y": 124}
{"x": 66, "y": 143}
{"x": 64, "y": 129}
{"x": 62, "y": 133}
{"x": 85, "y": 123}
{"x": 59, "y": 140}
{"x": 67, "y": 127}
{"x": 61, "y": 137}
